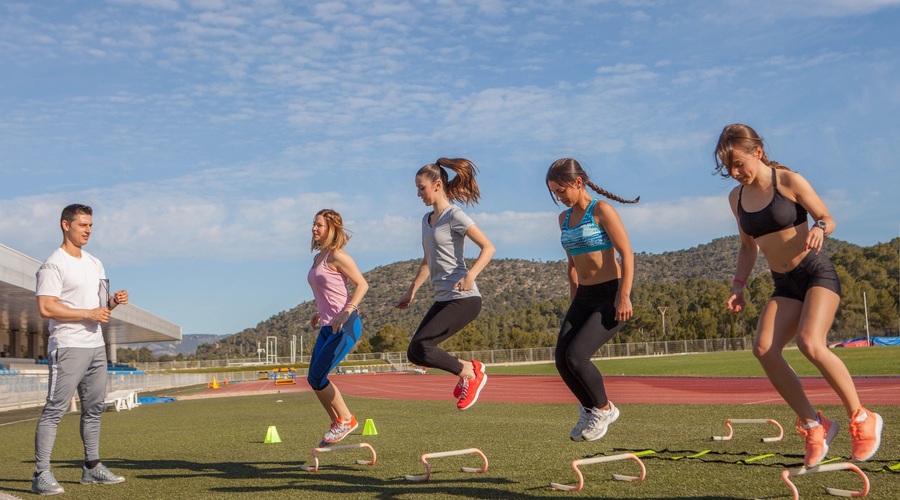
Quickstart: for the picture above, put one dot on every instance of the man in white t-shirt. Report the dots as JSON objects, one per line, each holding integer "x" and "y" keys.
{"x": 73, "y": 292}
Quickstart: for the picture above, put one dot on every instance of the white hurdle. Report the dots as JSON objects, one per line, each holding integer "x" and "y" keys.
{"x": 316, "y": 451}
{"x": 425, "y": 457}
{"x": 730, "y": 421}
{"x": 786, "y": 477}
{"x": 597, "y": 460}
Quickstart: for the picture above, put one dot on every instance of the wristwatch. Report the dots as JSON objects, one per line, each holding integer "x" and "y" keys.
{"x": 821, "y": 225}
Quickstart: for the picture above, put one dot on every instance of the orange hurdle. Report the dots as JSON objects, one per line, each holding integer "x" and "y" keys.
{"x": 425, "y": 457}
{"x": 597, "y": 460}
{"x": 786, "y": 477}
{"x": 316, "y": 451}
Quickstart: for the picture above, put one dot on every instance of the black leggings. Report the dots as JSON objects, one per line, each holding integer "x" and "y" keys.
{"x": 589, "y": 323}
{"x": 440, "y": 323}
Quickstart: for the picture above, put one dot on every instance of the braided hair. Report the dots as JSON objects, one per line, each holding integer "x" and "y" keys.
{"x": 336, "y": 237}
{"x": 564, "y": 172}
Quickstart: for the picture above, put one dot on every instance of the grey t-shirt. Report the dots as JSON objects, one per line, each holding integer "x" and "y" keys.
{"x": 444, "y": 244}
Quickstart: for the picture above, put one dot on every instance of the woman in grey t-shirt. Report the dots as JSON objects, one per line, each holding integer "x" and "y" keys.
{"x": 456, "y": 298}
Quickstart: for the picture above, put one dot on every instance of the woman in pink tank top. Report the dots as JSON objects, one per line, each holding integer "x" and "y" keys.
{"x": 337, "y": 316}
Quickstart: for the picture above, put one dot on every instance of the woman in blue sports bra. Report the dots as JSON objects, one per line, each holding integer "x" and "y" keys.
{"x": 599, "y": 291}
{"x": 771, "y": 206}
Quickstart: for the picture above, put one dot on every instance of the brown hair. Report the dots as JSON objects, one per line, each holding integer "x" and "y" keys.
{"x": 564, "y": 172}
{"x": 463, "y": 187}
{"x": 70, "y": 212}
{"x": 740, "y": 137}
{"x": 336, "y": 237}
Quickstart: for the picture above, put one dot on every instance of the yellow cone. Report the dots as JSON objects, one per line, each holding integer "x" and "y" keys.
{"x": 272, "y": 435}
{"x": 215, "y": 383}
{"x": 369, "y": 429}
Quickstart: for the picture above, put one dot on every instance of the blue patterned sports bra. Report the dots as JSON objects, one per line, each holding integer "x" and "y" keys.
{"x": 587, "y": 236}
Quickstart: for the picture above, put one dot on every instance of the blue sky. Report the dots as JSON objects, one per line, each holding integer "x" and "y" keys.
{"x": 207, "y": 133}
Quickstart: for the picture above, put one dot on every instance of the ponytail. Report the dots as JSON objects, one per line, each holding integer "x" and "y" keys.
{"x": 463, "y": 187}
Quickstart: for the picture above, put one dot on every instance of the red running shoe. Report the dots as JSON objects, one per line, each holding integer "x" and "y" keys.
{"x": 472, "y": 387}
{"x": 457, "y": 391}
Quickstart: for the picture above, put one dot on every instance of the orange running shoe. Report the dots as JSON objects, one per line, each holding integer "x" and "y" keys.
{"x": 865, "y": 436}
{"x": 818, "y": 439}
{"x": 338, "y": 431}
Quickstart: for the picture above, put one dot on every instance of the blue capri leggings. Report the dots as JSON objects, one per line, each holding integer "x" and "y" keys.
{"x": 330, "y": 349}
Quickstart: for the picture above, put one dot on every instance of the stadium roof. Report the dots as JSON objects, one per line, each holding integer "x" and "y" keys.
{"x": 19, "y": 311}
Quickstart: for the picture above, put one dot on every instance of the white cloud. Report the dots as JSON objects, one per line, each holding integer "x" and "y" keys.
{"x": 783, "y": 62}
{"x": 170, "y": 5}
{"x": 221, "y": 20}
{"x": 207, "y": 4}
{"x": 231, "y": 122}
{"x": 813, "y": 8}
{"x": 679, "y": 223}
{"x": 513, "y": 229}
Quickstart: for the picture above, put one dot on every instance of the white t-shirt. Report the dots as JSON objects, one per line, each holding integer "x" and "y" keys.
{"x": 444, "y": 245}
{"x": 76, "y": 283}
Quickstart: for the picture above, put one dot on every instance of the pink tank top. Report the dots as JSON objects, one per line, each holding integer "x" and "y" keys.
{"x": 329, "y": 290}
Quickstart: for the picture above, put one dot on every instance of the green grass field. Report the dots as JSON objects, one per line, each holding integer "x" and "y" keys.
{"x": 860, "y": 361}
{"x": 214, "y": 448}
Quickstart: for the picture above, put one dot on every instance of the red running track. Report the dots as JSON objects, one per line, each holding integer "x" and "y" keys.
{"x": 550, "y": 389}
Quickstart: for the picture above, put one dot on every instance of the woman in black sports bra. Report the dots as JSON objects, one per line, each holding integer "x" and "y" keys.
{"x": 771, "y": 206}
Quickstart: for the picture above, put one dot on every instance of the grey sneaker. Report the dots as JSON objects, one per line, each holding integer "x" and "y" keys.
{"x": 599, "y": 422}
{"x": 45, "y": 484}
{"x": 584, "y": 418}
{"x": 99, "y": 475}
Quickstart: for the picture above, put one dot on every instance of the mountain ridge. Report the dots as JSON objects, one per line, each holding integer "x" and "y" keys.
{"x": 524, "y": 300}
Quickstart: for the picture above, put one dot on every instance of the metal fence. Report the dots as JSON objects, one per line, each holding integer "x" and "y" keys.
{"x": 494, "y": 356}
{"x": 28, "y": 390}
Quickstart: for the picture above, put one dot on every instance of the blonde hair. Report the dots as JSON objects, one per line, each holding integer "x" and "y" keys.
{"x": 564, "y": 172}
{"x": 336, "y": 238}
{"x": 463, "y": 187}
{"x": 740, "y": 137}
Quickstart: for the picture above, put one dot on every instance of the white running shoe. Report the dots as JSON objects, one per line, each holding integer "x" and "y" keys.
{"x": 584, "y": 418}
{"x": 599, "y": 422}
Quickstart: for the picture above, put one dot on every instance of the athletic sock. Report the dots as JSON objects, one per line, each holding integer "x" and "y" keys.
{"x": 90, "y": 464}
{"x": 811, "y": 425}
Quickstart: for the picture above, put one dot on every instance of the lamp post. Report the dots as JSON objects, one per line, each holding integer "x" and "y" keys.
{"x": 662, "y": 311}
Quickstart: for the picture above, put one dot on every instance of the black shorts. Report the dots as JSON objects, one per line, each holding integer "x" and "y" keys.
{"x": 814, "y": 270}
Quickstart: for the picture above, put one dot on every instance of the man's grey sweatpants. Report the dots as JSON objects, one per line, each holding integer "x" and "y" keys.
{"x": 72, "y": 368}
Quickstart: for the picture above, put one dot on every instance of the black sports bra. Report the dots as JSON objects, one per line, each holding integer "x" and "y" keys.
{"x": 780, "y": 213}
